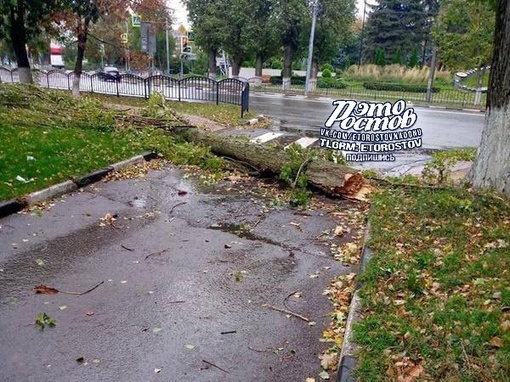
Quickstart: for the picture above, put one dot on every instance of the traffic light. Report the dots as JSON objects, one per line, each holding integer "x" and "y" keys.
{"x": 185, "y": 48}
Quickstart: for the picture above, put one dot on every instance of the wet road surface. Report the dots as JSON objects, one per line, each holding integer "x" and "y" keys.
{"x": 441, "y": 128}
{"x": 185, "y": 271}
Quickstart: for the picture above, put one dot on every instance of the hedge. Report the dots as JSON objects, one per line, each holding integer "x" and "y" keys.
{"x": 330, "y": 83}
{"x": 294, "y": 80}
{"x": 398, "y": 87}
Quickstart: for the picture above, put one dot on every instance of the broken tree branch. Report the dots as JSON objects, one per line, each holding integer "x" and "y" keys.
{"x": 286, "y": 311}
{"x": 213, "y": 365}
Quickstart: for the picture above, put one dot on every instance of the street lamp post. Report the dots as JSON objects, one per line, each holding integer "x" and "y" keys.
{"x": 310, "y": 49}
{"x": 167, "y": 48}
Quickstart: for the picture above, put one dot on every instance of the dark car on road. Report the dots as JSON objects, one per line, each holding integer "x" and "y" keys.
{"x": 110, "y": 73}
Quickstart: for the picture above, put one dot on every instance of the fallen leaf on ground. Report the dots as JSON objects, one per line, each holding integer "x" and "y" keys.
{"x": 189, "y": 346}
{"x": 416, "y": 371}
{"x": 44, "y": 289}
{"x": 39, "y": 262}
{"x": 324, "y": 375}
{"x": 496, "y": 342}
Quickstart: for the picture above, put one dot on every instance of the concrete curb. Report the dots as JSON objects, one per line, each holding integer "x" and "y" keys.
{"x": 347, "y": 361}
{"x": 13, "y": 206}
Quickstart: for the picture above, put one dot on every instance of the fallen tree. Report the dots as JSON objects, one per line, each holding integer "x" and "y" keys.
{"x": 330, "y": 178}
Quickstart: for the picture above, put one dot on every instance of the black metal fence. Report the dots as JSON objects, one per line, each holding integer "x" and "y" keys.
{"x": 462, "y": 98}
{"x": 195, "y": 88}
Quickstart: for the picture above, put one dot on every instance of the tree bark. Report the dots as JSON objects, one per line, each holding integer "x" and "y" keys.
{"x": 325, "y": 176}
{"x": 287, "y": 67}
{"x": 83, "y": 33}
{"x": 313, "y": 77}
{"x": 19, "y": 40}
{"x": 211, "y": 70}
{"x": 236, "y": 67}
{"x": 491, "y": 168}
{"x": 258, "y": 65}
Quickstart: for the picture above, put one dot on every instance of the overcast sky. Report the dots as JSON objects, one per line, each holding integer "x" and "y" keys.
{"x": 181, "y": 13}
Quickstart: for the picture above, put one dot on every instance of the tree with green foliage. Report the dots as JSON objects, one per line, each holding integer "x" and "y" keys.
{"x": 262, "y": 30}
{"x": 291, "y": 19}
{"x": 334, "y": 25}
{"x": 238, "y": 40}
{"x": 209, "y": 23}
{"x": 21, "y": 21}
{"x": 397, "y": 57}
{"x": 396, "y": 24}
{"x": 463, "y": 32}
{"x": 413, "y": 59}
{"x": 380, "y": 57}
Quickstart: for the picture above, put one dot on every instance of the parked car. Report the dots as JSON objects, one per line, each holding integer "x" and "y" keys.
{"x": 110, "y": 73}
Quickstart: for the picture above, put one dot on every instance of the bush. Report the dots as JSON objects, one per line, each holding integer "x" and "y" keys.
{"x": 327, "y": 67}
{"x": 294, "y": 80}
{"x": 330, "y": 83}
{"x": 398, "y": 87}
{"x": 326, "y": 73}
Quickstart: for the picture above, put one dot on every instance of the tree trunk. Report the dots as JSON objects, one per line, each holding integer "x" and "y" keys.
{"x": 211, "y": 70}
{"x": 259, "y": 60}
{"x": 287, "y": 67}
{"x": 325, "y": 176}
{"x": 19, "y": 40}
{"x": 83, "y": 34}
{"x": 236, "y": 67}
{"x": 491, "y": 167}
{"x": 313, "y": 77}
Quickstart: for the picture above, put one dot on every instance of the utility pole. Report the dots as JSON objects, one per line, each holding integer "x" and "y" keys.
{"x": 310, "y": 49}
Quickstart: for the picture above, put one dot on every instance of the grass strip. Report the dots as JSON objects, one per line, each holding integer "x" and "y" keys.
{"x": 48, "y": 137}
{"x": 436, "y": 293}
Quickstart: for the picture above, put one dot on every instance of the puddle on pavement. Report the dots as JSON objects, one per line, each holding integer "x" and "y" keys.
{"x": 243, "y": 231}
{"x": 139, "y": 202}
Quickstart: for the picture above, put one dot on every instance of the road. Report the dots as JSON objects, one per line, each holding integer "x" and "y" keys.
{"x": 186, "y": 272}
{"x": 441, "y": 128}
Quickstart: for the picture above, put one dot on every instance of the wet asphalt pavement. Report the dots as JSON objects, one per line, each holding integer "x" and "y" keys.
{"x": 185, "y": 272}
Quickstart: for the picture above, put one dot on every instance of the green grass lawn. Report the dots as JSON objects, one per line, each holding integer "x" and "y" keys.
{"x": 49, "y": 155}
{"x": 472, "y": 81}
{"x": 48, "y": 137}
{"x": 436, "y": 293}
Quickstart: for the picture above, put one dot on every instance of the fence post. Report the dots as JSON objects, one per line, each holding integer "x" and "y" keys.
{"x": 217, "y": 84}
{"x": 48, "y": 79}
{"x": 179, "y": 88}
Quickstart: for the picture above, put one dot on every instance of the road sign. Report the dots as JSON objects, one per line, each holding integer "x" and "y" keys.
{"x": 182, "y": 30}
{"x": 191, "y": 36}
{"x": 135, "y": 21}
